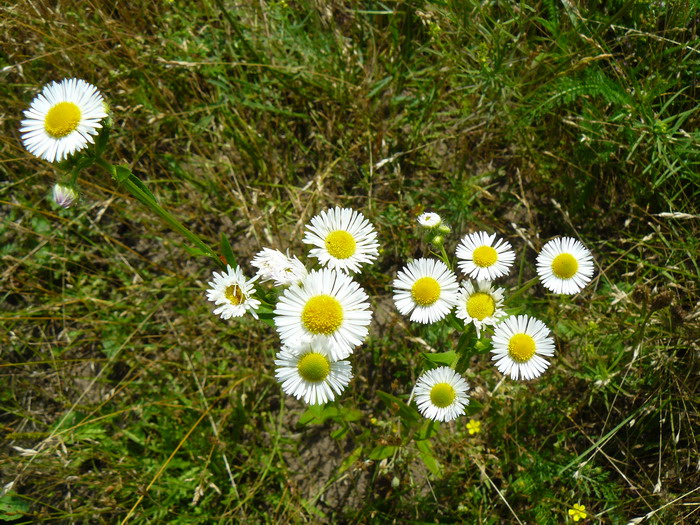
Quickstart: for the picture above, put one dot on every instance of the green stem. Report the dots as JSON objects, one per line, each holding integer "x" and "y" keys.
{"x": 147, "y": 200}
{"x": 525, "y": 287}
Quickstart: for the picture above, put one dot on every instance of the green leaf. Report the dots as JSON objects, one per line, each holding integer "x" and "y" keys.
{"x": 426, "y": 454}
{"x": 12, "y": 507}
{"x": 227, "y": 251}
{"x": 441, "y": 358}
{"x": 350, "y": 460}
{"x": 408, "y": 414}
{"x": 121, "y": 174}
{"x": 427, "y": 430}
{"x": 382, "y": 452}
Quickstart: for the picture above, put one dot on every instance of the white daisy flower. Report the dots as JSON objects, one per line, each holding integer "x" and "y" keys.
{"x": 273, "y": 265}
{"x": 564, "y": 265}
{"x": 327, "y": 303}
{"x": 480, "y": 304}
{"x": 429, "y": 220}
{"x": 234, "y": 293}
{"x": 62, "y": 119}
{"x": 426, "y": 289}
{"x": 441, "y": 394}
{"x": 519, "y": 343}
{"x": 484, "y": 258}
{"x": 309, "y": 372}
{"x": 345, "y": 239}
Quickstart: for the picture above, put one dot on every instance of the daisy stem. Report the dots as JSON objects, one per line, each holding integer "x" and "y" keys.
{"x": 525, "y": 287}
{"x": 148, "y": 200}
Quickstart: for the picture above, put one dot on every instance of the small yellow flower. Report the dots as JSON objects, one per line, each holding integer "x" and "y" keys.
{"x": 474, "y": 427}
{"x": 578, "y": 512}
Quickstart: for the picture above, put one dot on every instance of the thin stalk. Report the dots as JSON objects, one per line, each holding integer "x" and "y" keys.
{"x": 171, "y": 221}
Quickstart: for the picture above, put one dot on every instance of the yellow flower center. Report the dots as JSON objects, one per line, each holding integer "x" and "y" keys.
{"x": 314, "y": 367}
{"x": 425, "y": 291}
{"x": 340, "y": 244}
{"x": 62, "y": 119}
{"x": 442, "y": 395}
{"x": 521, "y": 348}
{"x": 234, "y": 294}
{"x": 480, "y": 306}
{"x": 322, "y": 314}
{"x": 484, "y": 256}
{"x": 564, "y": 266}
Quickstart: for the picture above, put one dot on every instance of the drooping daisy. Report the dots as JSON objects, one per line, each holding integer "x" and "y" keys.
{"x": 519, "y": 342}
{"x": 234, "y": 293}
{"x": 564, "y": 265}
{"x": 327, "y": 303}
{"x": 273, "y": 265}
{"x": 480, "y": 304}
{"x": 441, "y": 394}
{"x": 344, "y": 239}
{"x": 309, "y": 372}
{"x": 429, "y": 220}
{"x": 62, "y": 119}
{"x": 484, "y": 258}
{"x": 426, "y": 289}
{"x": 64, "y": 195}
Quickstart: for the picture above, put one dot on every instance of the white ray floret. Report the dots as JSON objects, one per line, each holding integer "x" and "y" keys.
{"x": 273, "y": 265}
{"x": 441, "y": 394}
{"x": 429, "y": 220}
{"x": 328, "y": 303}
{"x": 233, "y": 294}
{"x": 484, "y": 257}
{"x": 344, "y": 239}
{"x": 309, "y": 372}
{"x": 519, "y": 342}
{"x": 62, "y": 119}
{"x": 481, "y": 304}
{"x": 565, "y": 265}
{"x": 426, "y": 289}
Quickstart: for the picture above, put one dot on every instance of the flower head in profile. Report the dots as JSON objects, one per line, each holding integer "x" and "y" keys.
{"x": 564, "y": 265}
{"x": 480, "y": 304}
{"x": 426, "y": 289}
{"x": 519, "y": 342}
{"x": 275, "y": 266}
{"x": 429, "y": 220}
{"x": 309, "y": 372}
{"x": 62, "y": 119}
{"x": 578, "y": 512}
{"x": 327, "y": 303}
{"x": 441, "y": 394}
{"x": 64, "y": 195}
{"x": 474, "y": 427}
{"x": 484, "y": 257}
{"x": 344, "y": 239}
{"x": 233, "y": 294}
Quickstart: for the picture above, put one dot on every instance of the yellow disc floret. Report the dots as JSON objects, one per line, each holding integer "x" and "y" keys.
{"x": 425, "y": 291}
{"x": 521, "y": 348}
{"x": 442, "y": 395}
{"x": 564, "y": 266}
{"x": 234, "y": 294}
{"x": 340, "y": 244}
{"x": 314, "y": 367}
{"x": 322, "y": 315}
{"x": 484, "y": 256}
{"x": 480, "y": 306}
{"x": 62, "y": 119}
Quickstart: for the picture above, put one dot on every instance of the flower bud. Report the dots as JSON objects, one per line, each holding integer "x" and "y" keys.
{"x": 64, "y": 195}
{"x": 661, "y": 300}
{"x": 429, "y": 220}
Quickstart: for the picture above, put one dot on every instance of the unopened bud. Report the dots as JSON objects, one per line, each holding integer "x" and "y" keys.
{"x": 395, "y": 482}
{"x": 641, "y": 294}
{"x": 661, "y": 300}
{"x": 437, "y": 240}
{"x": 64, "y": 195}
{"x": 444, "y": 228}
